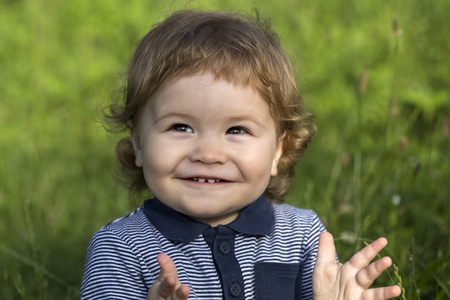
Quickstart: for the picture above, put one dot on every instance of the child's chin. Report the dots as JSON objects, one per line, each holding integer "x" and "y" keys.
{"x": 216, "y": 219}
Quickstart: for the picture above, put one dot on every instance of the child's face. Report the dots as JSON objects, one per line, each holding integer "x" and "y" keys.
{"x": 207, "y": 148}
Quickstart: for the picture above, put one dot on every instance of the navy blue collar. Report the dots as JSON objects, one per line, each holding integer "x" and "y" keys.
{"x": 255, "y": 219}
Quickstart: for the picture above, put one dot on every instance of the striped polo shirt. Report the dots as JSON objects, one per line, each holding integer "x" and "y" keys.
{"x": 268, "y": 252}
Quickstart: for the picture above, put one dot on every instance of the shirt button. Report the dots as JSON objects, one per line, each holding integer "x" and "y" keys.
{"x": 224, "y": 247}
{"x": 235, "y": 289}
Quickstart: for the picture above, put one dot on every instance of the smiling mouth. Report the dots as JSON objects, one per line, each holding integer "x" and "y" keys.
{"x": 209, "y": 180}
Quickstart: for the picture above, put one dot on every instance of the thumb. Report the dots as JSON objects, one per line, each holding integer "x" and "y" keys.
{"x": 326, "y": 252}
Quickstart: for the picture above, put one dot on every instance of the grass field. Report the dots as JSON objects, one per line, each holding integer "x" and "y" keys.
{"x": 376, "y": 74}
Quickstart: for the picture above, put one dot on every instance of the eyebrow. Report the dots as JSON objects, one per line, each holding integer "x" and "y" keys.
{"x": 172, "y": 115}
{"x": 240, "y": 118}
{"x": 247, "y": 117}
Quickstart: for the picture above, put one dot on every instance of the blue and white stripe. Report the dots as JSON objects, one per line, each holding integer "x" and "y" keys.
{"x": 121, "y": 257}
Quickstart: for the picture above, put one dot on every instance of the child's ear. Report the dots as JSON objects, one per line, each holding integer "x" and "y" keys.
{"x": 277, "y": 156}
{"x": 135, "y": 142}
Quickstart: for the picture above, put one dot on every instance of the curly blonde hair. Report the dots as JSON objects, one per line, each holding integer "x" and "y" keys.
{"x": 241, "y": 50}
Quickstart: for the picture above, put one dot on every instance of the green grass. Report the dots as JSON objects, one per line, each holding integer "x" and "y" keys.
{"x": 378, "y": 166}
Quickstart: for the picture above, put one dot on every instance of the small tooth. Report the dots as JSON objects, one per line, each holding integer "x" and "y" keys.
{"x": 211, "y": 180}
{"x": 201, "y": 179}
{"x": 195, "y": 179}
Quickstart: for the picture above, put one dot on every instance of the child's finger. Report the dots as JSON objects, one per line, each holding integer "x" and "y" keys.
{"x": 168, "y": 276}
{"x": 382, "y": 293}
{"x": 366, "y": 276}
{"x": 326, "y": 252}
{"x": 167, "y": 267}
{"x": 183, "y": 292}
{"x": 167, "y": 287}
{"x": 362, "y": 258}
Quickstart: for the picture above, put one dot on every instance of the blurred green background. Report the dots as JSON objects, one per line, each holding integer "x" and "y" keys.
{"x": 376, "y": 73}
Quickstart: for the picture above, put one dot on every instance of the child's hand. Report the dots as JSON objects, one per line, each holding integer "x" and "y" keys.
{"x": 332, "y": 280}
{"x": 167, "y": 285}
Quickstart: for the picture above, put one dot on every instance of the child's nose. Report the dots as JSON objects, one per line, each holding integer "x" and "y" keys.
{"x": 208, "y": 151}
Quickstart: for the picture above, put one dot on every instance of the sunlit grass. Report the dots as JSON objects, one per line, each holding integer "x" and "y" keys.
{"x": 378, "y": 165}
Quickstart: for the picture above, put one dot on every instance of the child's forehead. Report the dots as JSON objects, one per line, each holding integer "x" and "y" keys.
{"x": 186, "y": 95}
{"x": 207, "y": 77}
{"x": 192, "y": 83}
